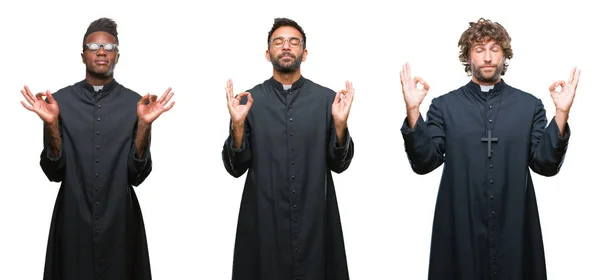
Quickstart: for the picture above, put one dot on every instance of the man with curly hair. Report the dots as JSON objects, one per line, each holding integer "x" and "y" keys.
{"x": 98, "y": 146}
{"x": 488, "y": 134}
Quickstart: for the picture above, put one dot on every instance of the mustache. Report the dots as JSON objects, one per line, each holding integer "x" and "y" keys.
{"x": 287, "y": 54}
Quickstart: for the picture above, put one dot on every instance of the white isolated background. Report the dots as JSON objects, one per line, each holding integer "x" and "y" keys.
{"x": 190, "y": 204}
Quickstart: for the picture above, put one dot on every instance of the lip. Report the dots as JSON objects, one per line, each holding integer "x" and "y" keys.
{"x": 101, "y": 62}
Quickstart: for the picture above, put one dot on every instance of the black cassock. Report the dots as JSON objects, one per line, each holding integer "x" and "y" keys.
{"x": 289, "y": 225}
{"x": 486, "y": 223}
{"x": 97, "y": 230}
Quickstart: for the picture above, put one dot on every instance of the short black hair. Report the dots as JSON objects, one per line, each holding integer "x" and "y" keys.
{"x": 102, "y": 24}
{"x": 280, "y": 22}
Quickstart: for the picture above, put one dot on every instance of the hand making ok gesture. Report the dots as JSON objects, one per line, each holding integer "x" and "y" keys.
{"x": 563, "y": 99}
{"x": 46, "y": 110}
{"x": 151, "y": 111}
{"x": 340, "y": 109}
{"x": 412, "y": 95}
{"x": 237, "y": 111}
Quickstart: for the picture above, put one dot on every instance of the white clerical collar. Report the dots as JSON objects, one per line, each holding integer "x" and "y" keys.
{"x": 97, "y": 88}
{"x": 486, "y": 88}
{"x": 286, "y": 87}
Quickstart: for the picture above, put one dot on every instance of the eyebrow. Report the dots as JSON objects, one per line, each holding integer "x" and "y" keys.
{"x": 483, "y": 44}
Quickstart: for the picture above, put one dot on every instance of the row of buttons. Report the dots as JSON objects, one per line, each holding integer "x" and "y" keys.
{"x": 294, "y": 209}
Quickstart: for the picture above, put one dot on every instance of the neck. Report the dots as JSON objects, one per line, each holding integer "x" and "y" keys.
{"x": 95, "y": 80}
{"x": 286, "y": 78}
{"x": 475, "y": 80}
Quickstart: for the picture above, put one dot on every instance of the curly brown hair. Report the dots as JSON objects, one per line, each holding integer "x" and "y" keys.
{"x": 482, "y": 31}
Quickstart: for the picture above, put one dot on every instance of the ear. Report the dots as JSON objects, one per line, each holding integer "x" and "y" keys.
{"x": 304, "y": 54}
{"x": 83, "y": 58}
{"x": 268, "y": 56}
{"x": 117, "y": 58}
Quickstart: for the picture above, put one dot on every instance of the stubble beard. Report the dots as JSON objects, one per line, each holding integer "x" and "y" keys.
{"x": 478, "y": 73}
{"x": 287, "y": 67}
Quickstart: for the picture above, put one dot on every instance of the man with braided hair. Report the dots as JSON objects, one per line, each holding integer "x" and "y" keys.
{"x": 488, "y": 134}
{"x": 98, "y": 146}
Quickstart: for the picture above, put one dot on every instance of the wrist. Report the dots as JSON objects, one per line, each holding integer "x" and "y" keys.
{"x": 562, "y": 112}
{"x": 341, "y": 125}
{"x": 237, "y": 124}
{"x": 143, "y": 124}
{"x": 412, "y": 109}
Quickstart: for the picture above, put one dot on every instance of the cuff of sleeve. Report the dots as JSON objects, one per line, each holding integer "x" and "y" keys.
{"x": 562, "y": 140}
{"x": 337, "y": 146}
{"x": 51, "y": 158}
{"x": 144, "y": 157}
{"x": 232, "y": 145}
{"x": 405, "y": 129}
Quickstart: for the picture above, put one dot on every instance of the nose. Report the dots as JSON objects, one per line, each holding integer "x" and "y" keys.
{"x": 101, "y": 51}
{"x": 487, "y": 57}
{"x": 286, "y": 45}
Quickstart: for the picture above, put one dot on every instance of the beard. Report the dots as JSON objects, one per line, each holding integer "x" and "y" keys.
{"x": 286, "y": 67}
{"x": 479, "y": 74}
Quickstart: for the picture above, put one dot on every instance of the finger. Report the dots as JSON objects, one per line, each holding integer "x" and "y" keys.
{"x": 241, "y": 95}
{"x": 28, "y": 96}
{"x": 572, "y": 75}
{"x": 576, "y": 78}
{"x": 27, "y": 106}
{"x": 350, "y": 94}
{"x": 153, "y": 98}
{"x": 250, "y": 100}
{"x": 144, "y": 99}
{"x": 425, "y": 85}
{"x": 420, "y": 80}
{"x": 50, "y": 97}
{"x": 40, "y": 96}
{"x": 226, "y": 88}
{"x": 416, "y": 80}
{"x": 166, "y": 100}
{"x": 28, "y": 91}
{"x": 555, "y": 84}
{"x": 164, "y": 95}
{"x": 338, "y": 97}
{"x": 229, "y": 89}
{"x": 169, "y": 107}
{"x": 403, "y": 75}
{"x": 408, "y": 74}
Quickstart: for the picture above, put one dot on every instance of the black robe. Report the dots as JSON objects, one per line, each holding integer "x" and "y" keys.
{"x": 289, "y": 225}
{"x": 486, "y": 223}
{"x": 97, "y": 230}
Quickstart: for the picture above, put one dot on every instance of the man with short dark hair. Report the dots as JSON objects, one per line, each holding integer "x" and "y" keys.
{"x": 488, "y": 134}
{"x": 289, "y": 133}
{"x": 98, "y": 146}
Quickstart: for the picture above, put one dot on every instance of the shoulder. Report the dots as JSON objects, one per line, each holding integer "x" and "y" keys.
{"x": 448, "y": 96}
{"x": 315, "y": 90}
{"x": 128, "y": 95}
{"x": 64, "y": 91}
{"x": 521, "y": 95}
{"x": 128, "y": 92}
{"x": 318, "y": 88}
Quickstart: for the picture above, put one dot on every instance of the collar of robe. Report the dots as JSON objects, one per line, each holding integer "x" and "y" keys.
{"x": 279, "y": 86}
{"x": 475, "y": 88}
{"x": 105, "y": 89}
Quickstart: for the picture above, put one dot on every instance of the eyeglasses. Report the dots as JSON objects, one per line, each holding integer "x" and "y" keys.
{"x": 280, "y": 41}
{"x": 108, "y": 47}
